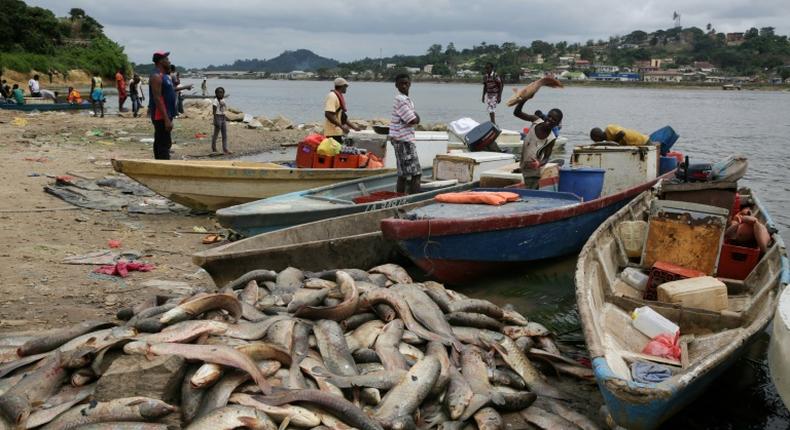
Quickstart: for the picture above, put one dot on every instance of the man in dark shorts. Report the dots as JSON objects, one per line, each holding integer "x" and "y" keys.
{"x": 401, "y": 135}
{"x": 162, "y": 104}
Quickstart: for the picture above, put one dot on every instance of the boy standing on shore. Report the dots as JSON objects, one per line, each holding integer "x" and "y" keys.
{"x": 492, "y": 91}
{"x": 220, "y": 124}
{"x": 401, "y": 135}
{"x": 162, "y": 105}
{"x": 97, "y": 94}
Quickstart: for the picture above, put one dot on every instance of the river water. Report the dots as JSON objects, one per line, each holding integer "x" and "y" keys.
{"x": 711, "y": 123}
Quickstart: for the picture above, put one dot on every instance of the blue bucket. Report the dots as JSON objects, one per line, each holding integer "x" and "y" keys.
{"x": 667, "y": 164}
{"x": 585, "y": 182}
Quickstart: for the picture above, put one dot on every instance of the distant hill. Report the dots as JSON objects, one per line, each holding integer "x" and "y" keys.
{"x": 288, "y": 61}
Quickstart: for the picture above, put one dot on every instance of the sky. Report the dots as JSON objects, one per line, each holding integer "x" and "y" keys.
{"x": 203, "y": 32}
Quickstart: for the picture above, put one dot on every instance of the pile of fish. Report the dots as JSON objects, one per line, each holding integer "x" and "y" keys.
{"x": 337, "y": 349}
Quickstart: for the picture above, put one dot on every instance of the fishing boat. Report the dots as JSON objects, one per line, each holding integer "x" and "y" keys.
{"x": 779, "y": 347}
{"x": 41, "y": 107}
{"x": 355, "y": 240}
{"x": 343, "y": 198}
{"x": 709, "y": 340}
{"x": 211, "y": 185}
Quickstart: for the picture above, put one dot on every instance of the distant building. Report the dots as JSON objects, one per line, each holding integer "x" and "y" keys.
{"x": 428, "y": 68}
{"x": 538, "y": 59}
{"x": 604, "y": 68}
{"x": 466, "y": 73}
{"x": 610, "y": 76}
{"x": 582, "y": 64}
{"x": 573, "y": 76}
{"x": 413, "y": 70}
{"x": 734, "y": 39}
{"x": 655, "y": 62}
{"x": 391, "y": 65}
{"x": 663, "y": 76}
{"x": 299, "y": 74}
{"x": 704, "y": 66}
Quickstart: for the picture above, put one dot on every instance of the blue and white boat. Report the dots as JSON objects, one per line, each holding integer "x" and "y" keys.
{"x": 343, "y": 198}
{"x": 709, "y": 341}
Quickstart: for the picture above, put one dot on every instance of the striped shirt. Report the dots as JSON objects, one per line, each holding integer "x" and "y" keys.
{"x": 402, "y": 114}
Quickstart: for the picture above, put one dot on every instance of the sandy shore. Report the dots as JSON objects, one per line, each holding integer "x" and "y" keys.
{"x": 40, "y": 230}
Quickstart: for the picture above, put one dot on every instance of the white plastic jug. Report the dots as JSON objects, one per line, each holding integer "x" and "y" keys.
{"x": 634, "y": 277}
{"x": 651, "y": 323}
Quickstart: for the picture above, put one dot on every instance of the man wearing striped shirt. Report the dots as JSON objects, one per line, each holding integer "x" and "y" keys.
{"x": 401, "y": 135}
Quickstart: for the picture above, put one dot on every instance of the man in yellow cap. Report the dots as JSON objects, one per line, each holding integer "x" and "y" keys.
{"x": 336, "y": 123}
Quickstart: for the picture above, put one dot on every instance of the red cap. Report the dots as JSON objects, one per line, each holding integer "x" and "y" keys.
{"x": 158, "y": 55}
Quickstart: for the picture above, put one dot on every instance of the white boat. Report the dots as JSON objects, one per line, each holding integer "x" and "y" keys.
{"x": 779, "y": 348}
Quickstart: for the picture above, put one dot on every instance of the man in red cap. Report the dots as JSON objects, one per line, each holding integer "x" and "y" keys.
{"x": 162, "y": 104}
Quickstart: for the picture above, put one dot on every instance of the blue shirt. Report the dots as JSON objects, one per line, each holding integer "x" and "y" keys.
{"x": 168, "y": 92}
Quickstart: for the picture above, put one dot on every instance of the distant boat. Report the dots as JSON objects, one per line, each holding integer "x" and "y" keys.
{"x": 211, "y": 185}
{"x": 347, "y": 241}
{"x": 342, "y": 198}
{"x": 41, "y": 107}
{"x": 710, "y": 341}
{"x": 731, "y": 87}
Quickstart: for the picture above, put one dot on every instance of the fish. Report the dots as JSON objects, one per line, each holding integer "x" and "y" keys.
{"x": 335, "y": 404}
{"x": 387, "y": 346}
{"x": 306, "y": 297}
{"x": 438, "y": 350}
{"x": 425, "y": 310}
{"x": 82, "y": 377}
{"x": 548, "y": 345}
{"x": 124, "y": 409}
{"x": 391, "y": 298}
{"x": 438, "y": 294}
{"x": 299, "y": 348}
{"x": 393, "y": 272}
{"x": 458, "y": 395}
{"x": 412, "y": 354}
{"x": 470, "y": 319}
{"x": 17, "y": 403}
{"x": 186, "y": 331}
{"x": 365, "y": 355}
{"x": 546, "y": 420}
{"x": 333, "y": 348}
{"x": 580, "y": 420}
{"x": 281, "y": 333}
{"x": 403, "y": 399}
{"x": 218, "y": 354}
{"x": 121, "y": 425}
{"x": 379, "y": 280}
{"x": 511, "y": 316}
{"x": 250, "y": 293}
{"x": 253, "y": 330}
{"x": 59, "y": 403}
{"x": 288, "y": 281}
{"x": 11, "y": 366}
{"x": 255, "y": 275}
{"x": 201, "y": 304}
{"x": 299, "y": 416}
{"x": 531, "y": 329}
{"x": 217, "y": 396}
{"x": 364, "y": 336}
{"x": 314, "y": 367}
{"x": 190, "y": 396}
{"x": 475, "y": 371}
{"x": 231, "y": 417}
{"x": 488, "y": 419}
{"x": 506, "y": 377}
{"x": 531, "y": 89}
{"x": 56, "y": 338}
{"x": 382, "y": 380}
{"x": 357, "y": 320}
{"x": 338, "y": 312}
{"x": 477, "y": 306}
{"x": 508, "y": 399}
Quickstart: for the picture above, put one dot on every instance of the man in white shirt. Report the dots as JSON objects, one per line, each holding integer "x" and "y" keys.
{"x": 35, "y": 88}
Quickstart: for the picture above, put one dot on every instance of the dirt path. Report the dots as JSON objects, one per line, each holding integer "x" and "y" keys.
{"x": 38, "y": 290}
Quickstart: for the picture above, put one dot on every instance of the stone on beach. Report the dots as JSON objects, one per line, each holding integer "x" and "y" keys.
{"x": 135, "y": 375}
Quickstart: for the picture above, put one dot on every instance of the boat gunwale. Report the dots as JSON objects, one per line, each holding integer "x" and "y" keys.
{"x": 403, "y": 229}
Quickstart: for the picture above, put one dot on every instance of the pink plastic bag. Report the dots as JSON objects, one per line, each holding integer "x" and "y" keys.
{"x": 663, "y": 345}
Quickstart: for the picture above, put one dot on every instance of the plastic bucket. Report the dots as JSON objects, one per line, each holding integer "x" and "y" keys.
{"x": 667, "y": 164}
{"x": 585, "y": 182}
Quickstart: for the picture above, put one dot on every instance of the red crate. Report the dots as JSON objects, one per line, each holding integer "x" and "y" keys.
{"x": 663, "y": 272}
{"x": 736, "y": 262}
{"x": 322, "y": 161}
{"x": 346, "y": 161}
{"x": 305, "y": 154}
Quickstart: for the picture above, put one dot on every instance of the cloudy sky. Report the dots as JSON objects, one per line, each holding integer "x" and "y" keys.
{"x": 202, "y": 32}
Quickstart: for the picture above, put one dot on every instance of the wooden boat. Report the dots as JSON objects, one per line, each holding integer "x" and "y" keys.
{"x": 29, "y": 107}
{"x": 211, "y": 185}
{"x": 329, "y": 201}
{"x": 710, "y": 341}
{"x": 353, "y": 241}
{"x": 456, "y": 243}
{"x": 779, "y": 346}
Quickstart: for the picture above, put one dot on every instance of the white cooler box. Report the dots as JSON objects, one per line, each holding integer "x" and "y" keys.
{"x": 467, "y": 166}
{"x": 626, "y": 166}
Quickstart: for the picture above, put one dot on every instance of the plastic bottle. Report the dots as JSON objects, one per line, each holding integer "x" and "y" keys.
{"x": 651, "y": 323}
{"x": 635, "y": 278}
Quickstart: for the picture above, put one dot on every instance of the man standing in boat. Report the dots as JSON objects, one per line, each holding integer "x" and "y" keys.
{"x": 401, "y": 135}
{"x": 492, "y": 91}
{"x": 162, "y": 104}
{"x": 539, "y": 135}
{"x": 336, "y": 123}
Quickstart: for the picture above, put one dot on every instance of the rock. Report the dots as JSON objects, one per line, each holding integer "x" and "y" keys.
{"x": 177, "y": 287}
{"x": 265, "y": 122}
{"x": 380, "y": 121}
{"x": 135, "y": 375}
{"x": 439, "y": 126}
{"x": 29, "y": 135}
{"x": 234, "y": 116}
{"x": 254, "y": 124}
{"x": 282, "y": 123}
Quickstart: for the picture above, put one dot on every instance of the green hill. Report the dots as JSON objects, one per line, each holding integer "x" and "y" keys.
{"x": 33, "y": 38}
{"x": 288, "y": 61}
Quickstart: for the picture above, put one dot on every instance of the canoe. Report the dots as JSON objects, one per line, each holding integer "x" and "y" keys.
{"x": 211, "y": 185}
{"x": 779, "y": 347}
{"x": 325, "y": 202}
{"x": 710, "y": 341}
{"x": 455, "y": 243}
{"x": 352, "y": 241}
{"x": 44, "y": 106}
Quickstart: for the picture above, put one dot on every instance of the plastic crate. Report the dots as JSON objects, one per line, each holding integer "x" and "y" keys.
{"x": 663, "y": 272}
{"x": 736, "y": 262}
{"x": 305, "y": 155}
{"x": 346, "y": 161}
{"x": 322, "y": 161}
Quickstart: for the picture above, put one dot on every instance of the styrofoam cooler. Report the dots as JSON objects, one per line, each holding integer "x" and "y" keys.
{"x": 468, "y": 166}
{"x": 626, "y": 166}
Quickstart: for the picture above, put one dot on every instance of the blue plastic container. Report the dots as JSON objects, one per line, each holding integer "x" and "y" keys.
{"x": 585, "y": 182}
{"x": 667, "y": 164}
